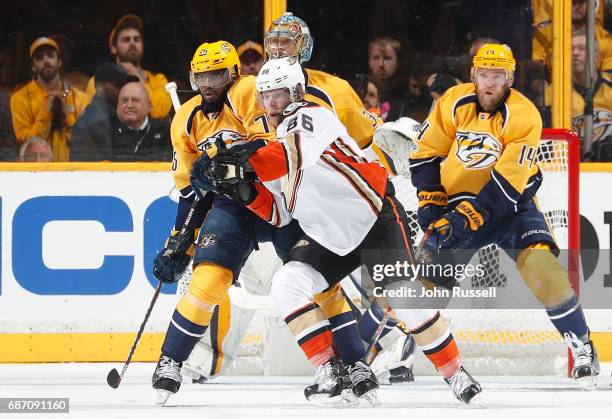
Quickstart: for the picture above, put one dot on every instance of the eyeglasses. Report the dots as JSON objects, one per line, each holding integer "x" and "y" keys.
{"x": 34, "y": 157}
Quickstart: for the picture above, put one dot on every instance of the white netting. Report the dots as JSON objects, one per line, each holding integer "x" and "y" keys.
{"x": 507, "y": 341}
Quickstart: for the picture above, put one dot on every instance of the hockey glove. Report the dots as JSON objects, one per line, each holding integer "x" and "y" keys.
{"x": 458, "y": 225}
{"x": 172, "y": 261}
{"x": 432, "y": 204}
{"x": 243, "y": 192}
{"x": 200, "y": 182}
{"x": 232, "y": 165}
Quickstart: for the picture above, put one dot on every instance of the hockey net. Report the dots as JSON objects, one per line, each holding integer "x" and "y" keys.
{"x": 491, "y": 340}
{"x": 519, "y": 341}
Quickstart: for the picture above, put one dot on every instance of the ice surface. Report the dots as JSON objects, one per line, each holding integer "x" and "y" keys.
{"x": 282, "y": 397}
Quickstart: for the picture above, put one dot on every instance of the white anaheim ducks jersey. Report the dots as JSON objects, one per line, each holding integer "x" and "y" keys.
{"x": 318, "y": 175}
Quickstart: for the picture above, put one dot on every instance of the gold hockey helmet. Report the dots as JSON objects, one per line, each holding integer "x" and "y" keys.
{"x": 214, "y": 65}
{"x": 495, "y": 56}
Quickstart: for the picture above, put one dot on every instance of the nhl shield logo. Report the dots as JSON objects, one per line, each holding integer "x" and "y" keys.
{"x": 477, "y": 150}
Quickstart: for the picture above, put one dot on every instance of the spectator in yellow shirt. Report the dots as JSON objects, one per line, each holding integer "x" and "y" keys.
{"x": 126, "y": 46}
{"x": 602, "y": 100}
{"x": 47, "y": 107}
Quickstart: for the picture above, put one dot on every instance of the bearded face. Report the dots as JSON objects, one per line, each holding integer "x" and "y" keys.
{"x": 129, "y": 47}
{"x": 46, "y": 63}
{"x": 491, "y": 86}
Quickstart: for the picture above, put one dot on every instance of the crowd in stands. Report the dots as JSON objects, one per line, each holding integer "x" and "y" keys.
{"x": 123, "y": 112}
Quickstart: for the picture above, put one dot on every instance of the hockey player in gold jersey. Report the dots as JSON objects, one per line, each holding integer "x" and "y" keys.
{"x": 476, "y": 178}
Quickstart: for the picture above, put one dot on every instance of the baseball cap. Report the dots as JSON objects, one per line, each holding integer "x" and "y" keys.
{"x": 113, "y": 73}
{"x": 127, "y": 21}
{"x": 41, "y": 42}
{"x": 250, "y": 45}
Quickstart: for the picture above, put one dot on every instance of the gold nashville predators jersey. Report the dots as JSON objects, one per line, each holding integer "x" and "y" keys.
{"x": 240, "y": 120}
{"x": 337, "y": 94}
{"x": 474, "y": 153}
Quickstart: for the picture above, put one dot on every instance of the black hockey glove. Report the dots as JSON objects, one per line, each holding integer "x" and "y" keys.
{"x": 232, "y": 165}
{"x": 200, "y": 182}
{"x": 172, "y": 261}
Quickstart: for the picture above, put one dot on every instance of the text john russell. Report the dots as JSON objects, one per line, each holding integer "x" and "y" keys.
{"x": 455, "y": 292}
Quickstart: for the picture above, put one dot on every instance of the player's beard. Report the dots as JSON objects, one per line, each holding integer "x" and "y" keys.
{"x": 215, "y": 105}
{"x": 489, "y": 103}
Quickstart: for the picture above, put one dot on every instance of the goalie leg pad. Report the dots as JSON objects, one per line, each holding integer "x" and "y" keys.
{"x": 544, "y": 275}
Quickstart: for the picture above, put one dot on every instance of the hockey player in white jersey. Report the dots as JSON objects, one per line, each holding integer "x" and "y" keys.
{"x": 317, "y": 175}
{"x": 290, "y": 36}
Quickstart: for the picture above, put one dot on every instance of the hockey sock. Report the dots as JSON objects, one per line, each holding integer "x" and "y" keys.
{"x": 568, "y": 317}
{"x": 181, "y": 337}
{"x": 312, "y": 331}
{"x": 346, "y": 338}
{"x": 437, "y": 343}
{"x": 207, "y": 288}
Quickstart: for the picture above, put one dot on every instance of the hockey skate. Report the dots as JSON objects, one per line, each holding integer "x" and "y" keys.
{"x": 166, "y": 378}
{"x": 586, "y": 365}
{"x": 327, "y": 388}
{"x": 364, "y": 384}
{"x": 464, "y": 386}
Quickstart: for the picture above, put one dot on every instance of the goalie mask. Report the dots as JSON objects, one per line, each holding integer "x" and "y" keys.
{"x": 288, "y": 36}
{"x": 214, "y": 65}
{"x": 281, "y": 73}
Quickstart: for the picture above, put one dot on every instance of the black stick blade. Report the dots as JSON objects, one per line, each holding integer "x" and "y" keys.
{"x": 113, "y": 378}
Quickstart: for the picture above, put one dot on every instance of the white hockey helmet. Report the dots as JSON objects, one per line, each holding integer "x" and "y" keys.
{"x": 282, "y": 73}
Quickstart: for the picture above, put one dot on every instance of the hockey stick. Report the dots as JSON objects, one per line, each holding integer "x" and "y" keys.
{"x": 171, "y": 89}
{"x": 114, "y": 378}
{"x": 369, "y": 356}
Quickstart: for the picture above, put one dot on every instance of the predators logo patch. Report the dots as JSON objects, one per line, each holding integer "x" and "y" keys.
{"x": 208, "y": 240}
{"x": 477, "y": 150}
{"x": 225, "y": 135}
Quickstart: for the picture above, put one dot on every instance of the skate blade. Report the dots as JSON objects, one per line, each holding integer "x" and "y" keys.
{"x": 322, "y": 400}
{"x": 370, "y": 398}
{"x": 477, "y": 401}
{"x": 588, "y": 383}
{"x": 162, "y": 397}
